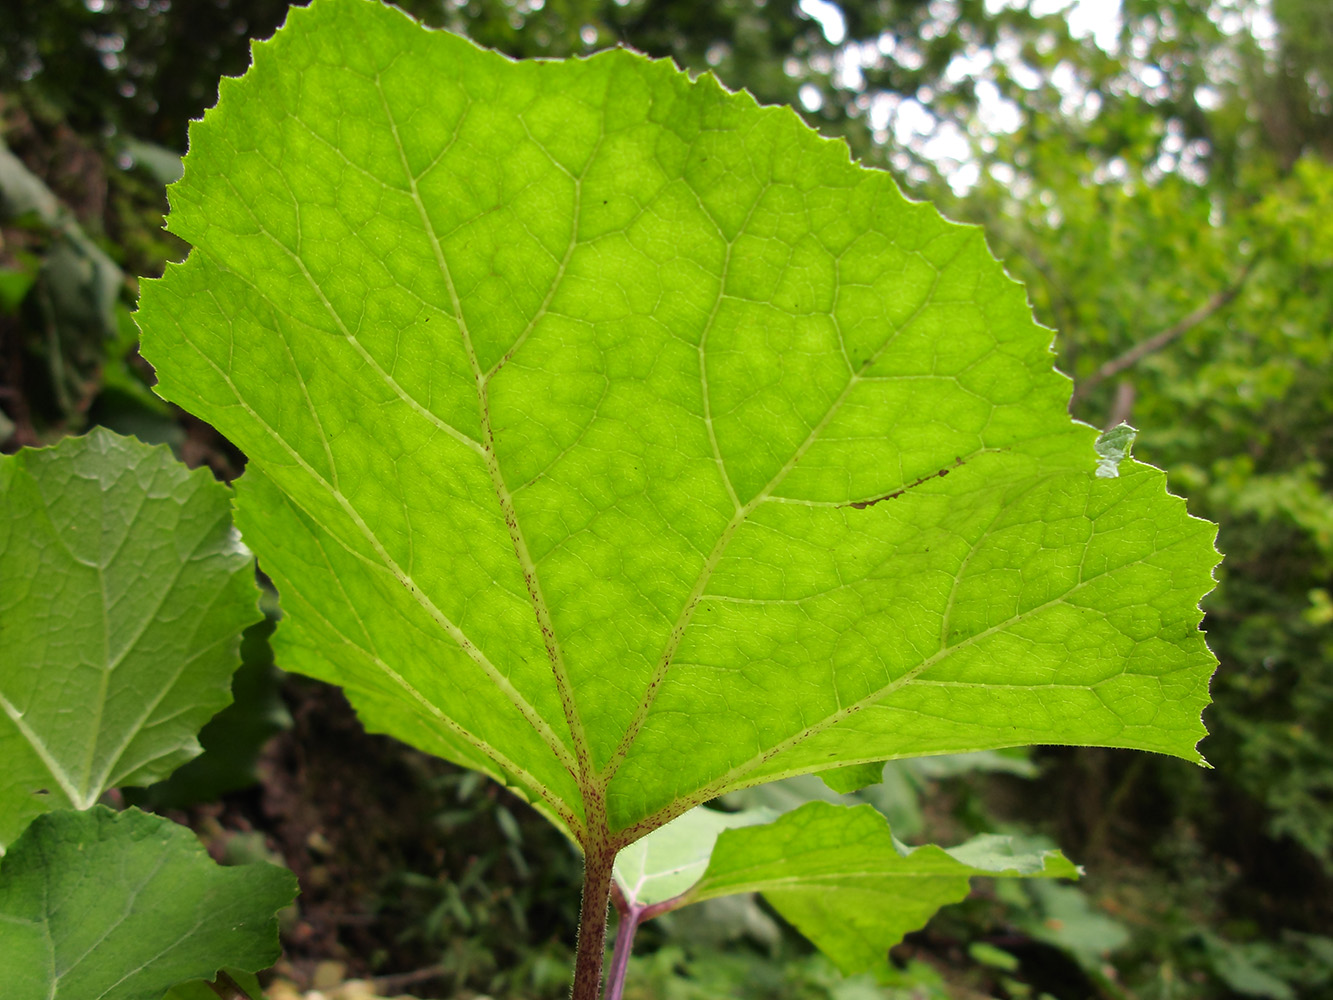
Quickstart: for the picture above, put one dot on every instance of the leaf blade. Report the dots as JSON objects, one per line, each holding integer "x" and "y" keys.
{"x": 125, "y": 590}
{"x": 124, "y": 906}
{"x": 839, "y": 876}
{"x": 673, "y": 858}
{"x": 656, "y": 449}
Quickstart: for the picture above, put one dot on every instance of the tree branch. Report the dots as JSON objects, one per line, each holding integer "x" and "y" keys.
{"x": 1159, "y": 340}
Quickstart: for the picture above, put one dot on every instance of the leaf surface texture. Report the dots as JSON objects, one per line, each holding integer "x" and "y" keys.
{"x": 622, "y": 439}
{"x": 100, "y": 905}
{"x": 123, "y": 593}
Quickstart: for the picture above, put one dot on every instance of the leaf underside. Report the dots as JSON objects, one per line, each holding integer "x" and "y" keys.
{"x": 668, "y": 862}
{"x": 622, "y": 439}
{"x": 836, "y": 873}
{"x": 101, "y": 905}
{"x": 123, "y": 593}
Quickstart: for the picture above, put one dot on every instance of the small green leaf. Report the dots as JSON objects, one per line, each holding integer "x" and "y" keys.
{"x": 836, "y": 872}
{"x": 844, "y": 881}
{"x": 162, "y": 164}
{"x": 996, "y": 958}
{"x": 123, "y": 593}
{"x": 673, "y": 857}
{"x": 853, "y": 777}
{"x": 101, "y": 905}
{"x": 1113, "y": 448}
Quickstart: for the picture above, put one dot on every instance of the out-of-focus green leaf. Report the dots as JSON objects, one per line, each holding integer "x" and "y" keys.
{"x": 1234, "y": 965}
{"x": 22, "y": 192}
{"x": 14, "y": 285}
{"x": 1064, "y": 917}
{"x": 76, "y": 290}
{"x": 163, "y": 164}
{"x": 101, "y": 905}
{"x": 119, "y": 376}
{"x": 123, "y": 593}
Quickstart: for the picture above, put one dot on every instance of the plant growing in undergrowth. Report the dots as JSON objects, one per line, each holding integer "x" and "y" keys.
{"x": 621, "y": 439}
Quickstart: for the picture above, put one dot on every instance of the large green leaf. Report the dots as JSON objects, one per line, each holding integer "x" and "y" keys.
{"x": 102, "y": 905}
{"x": 837, "y": 873}
{"x": 123, "y": 593}
{"x": 622, "y": 439}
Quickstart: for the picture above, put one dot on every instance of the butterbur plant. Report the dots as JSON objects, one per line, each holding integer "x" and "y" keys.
{"x": 625, "y": 441}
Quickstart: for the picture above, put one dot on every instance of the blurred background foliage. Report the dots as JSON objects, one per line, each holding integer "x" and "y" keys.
{"x": 1159, "y": 173}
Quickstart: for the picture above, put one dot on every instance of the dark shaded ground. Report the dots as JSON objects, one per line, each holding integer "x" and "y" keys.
{"x": 435, "y": 881}
{"x": 409, "y": 867}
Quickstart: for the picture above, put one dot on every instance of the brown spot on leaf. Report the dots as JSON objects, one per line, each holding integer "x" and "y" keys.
{"x": 939, "y": 474}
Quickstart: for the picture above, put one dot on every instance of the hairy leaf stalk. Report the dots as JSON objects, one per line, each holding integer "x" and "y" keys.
{"x": 597, "y": 866}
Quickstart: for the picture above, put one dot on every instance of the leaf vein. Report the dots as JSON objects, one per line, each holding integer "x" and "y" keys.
{"x": 387, "y": 563}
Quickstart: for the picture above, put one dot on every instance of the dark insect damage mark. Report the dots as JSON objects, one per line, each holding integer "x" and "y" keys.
{"x": 940, "y": 474}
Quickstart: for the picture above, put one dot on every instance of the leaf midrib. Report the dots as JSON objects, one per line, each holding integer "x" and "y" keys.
{"x": 386, "y": 562}
{"x": 530, "y": 715}
{"x": 594, "y": 809}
